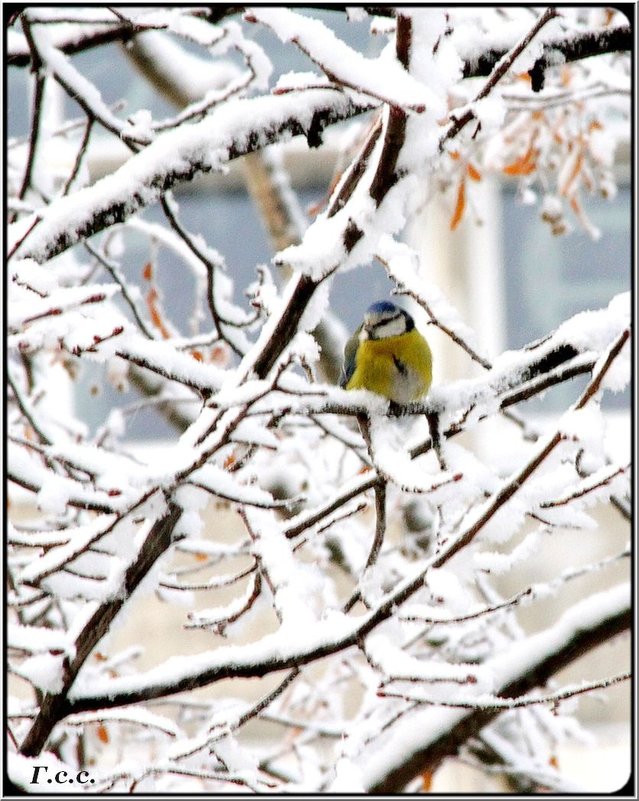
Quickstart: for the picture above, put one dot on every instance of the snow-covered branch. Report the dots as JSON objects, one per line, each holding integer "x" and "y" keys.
{"x": 525, "y": 667}
{"x": 175, "y": 156}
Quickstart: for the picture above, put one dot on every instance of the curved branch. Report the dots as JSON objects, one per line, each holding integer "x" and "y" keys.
{"x": 574, "y": 48}
{"x": 56, "y": 706}
{"x": 120, "y": 31}
{"x": 570, "y": 638}
{"x": 228, "y": 133}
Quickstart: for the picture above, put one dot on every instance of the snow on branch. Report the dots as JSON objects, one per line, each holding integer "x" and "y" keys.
{"x": 525, "y": 667}
{"x": 573, "y": 47}
{"x": 177, "y": 155}
{"x": 382, "y": 78}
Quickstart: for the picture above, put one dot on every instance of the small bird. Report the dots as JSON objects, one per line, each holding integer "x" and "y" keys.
{"x": 387, "y": 355}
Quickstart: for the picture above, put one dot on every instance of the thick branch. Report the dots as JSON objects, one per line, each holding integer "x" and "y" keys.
{"x": 113, "y": 200}
{"x": 118, "y": 32}
{"x": 426, "y": 757}
{"x": 385, "y": 177}
{"x": 581, "y": 45}
{"x": 55, "y": 707}
{"x": 498, "y": 72}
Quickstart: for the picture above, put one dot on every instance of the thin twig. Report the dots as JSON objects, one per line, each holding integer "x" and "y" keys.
{"x": 510, "y": 703}
{"x": 498, "y": 72}
{"x": 115, "y": 272}
{"x": 84, "y": 144}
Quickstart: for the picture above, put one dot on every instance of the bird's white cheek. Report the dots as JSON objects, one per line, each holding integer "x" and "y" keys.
{"x": 393, "y": 328}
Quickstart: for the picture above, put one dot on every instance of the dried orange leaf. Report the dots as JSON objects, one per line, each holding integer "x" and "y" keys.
{"x": 575, "y": 205}
{"x": 147, "y": 271}
{"x": 219, "y": 354}
{"x": 523, "y": 165}
{"x": 197, "y": 355}
{"x": 576, "y": 169}
{"x": 454, "y": 154}
{"x": 103, "y": 734}
{"x": 427, "y": 781}
{"x": 154, "y": 312}
{"x": 460, "y": 205}
{"x": 473, "y": 172}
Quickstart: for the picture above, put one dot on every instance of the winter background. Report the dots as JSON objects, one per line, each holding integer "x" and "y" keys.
{"x": 216, "y": 584}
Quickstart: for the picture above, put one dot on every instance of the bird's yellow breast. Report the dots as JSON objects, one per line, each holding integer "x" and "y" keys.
{"x": 399, "y": 368}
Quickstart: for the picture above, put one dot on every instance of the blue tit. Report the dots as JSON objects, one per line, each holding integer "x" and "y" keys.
{"x": 387, "y": 355}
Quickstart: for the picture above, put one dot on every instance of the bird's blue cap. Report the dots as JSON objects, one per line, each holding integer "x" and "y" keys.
{"x": 382, "y": 306}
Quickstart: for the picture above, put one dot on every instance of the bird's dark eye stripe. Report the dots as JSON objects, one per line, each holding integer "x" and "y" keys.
{"x": 386, "y": 320}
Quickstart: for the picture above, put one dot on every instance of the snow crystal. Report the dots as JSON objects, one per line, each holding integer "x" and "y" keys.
{"x": 618, "y": 374}
{"x": 28, "y": 271}
{"x": 504, "y": 523}
{"x": 585, "y": 426}
{"x": 192, "y": 498}
{"x": 35, "y": 639}
{"x": 299, "y": 80}
{"x": 490, "y": 111}
{"x": 348, "y": 777}
{"x": 551, "y": 206}
{"x": 356, "y": 14}
{"x": 220, "y": 482}
{"x": 316, "y": 311}
{"x": 169, "y": 361}
{"x": 54, "y": 494}
{"x": 371, "y": 584}
{"x": 235, "y": 758}
{"x": 190, "y": 524}
{"x": 381, "y": 78}
{"x": 260, "y": 64}
{"x": 44, "y": 671}
{"x": 321, "y": 250}
{"x": 434, "y": 59}
{"x": 527, "y": 58}
{"x": 139, "y": 126}
{"x": 195, "y": 75}
{"x": 500, "y": 563}
{"x": 393, "y": 459}
{"x": 445, "y": 585}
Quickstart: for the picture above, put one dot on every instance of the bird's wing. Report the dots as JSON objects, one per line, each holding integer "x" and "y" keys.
{"x": 350, "y": 354}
